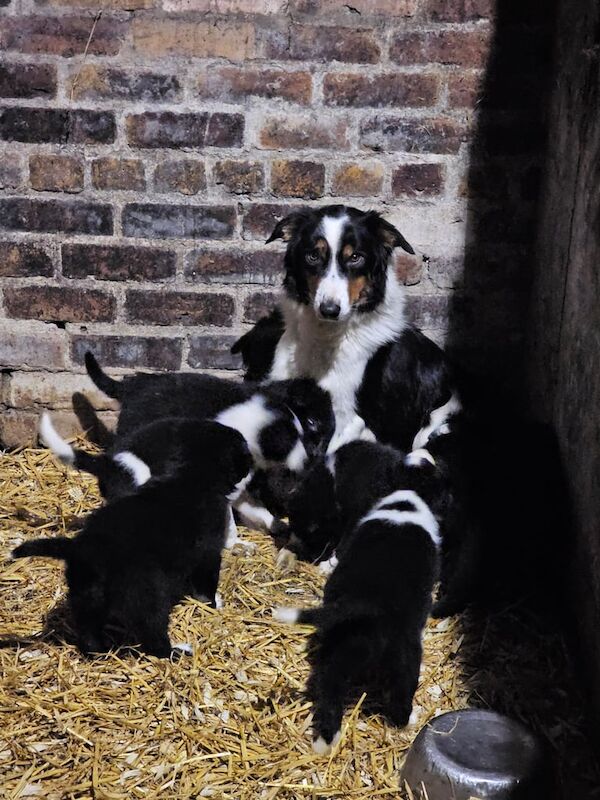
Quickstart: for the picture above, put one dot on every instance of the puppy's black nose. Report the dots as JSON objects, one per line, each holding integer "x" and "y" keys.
{"x": 329, "y": 309}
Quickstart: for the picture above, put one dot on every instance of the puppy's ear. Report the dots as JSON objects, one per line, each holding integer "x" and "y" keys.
{"x": 389, "y": 236}
{"x": 287, "y": 227}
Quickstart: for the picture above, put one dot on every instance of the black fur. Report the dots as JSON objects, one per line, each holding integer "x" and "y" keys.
{"x": 141, "y": 554}
{"x": 256, "y": 346}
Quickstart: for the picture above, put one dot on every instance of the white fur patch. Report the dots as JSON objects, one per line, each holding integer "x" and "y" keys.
{"x": 184, "y": 647}
{"x": 420, "y": 516}
{"x": 253, "y": 516}
{"x": 297, "y": 457}
{"x": 327, "y": 567}
{"x": 333, "y": 286}
{"x": 138, "y": 469}
{"x": 240, "y": 487}
{"x": 416, "y": 458}
{"x": 54, "y": 441}
{"x": 320, "y": 746}
{"x": 289, "y": 615}
{"x": 231, "y": 536}
{"x": 218, "y": 601}
{"x": 249, "y": 418}
{"x": 437, "y": 419}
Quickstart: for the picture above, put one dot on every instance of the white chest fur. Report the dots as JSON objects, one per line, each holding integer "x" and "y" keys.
{"x": 335, "y": 354}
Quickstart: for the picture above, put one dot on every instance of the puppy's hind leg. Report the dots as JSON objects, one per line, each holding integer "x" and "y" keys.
{"x": 205, "y": 579}
{"x": 402, "y": 665}
{"x": 327, "y": 689}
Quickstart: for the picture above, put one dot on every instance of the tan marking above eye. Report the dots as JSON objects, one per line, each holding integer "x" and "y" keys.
{"x": 322, "y": 247}
{"x": 347, "y": 251}
{"x": 357, "y": 288}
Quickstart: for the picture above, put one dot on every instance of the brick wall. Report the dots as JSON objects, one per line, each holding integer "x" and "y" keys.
{"x": 147, "y": 149}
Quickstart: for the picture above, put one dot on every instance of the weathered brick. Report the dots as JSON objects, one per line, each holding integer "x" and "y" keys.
{"x": 23, "y": 214}
{"x": 179, "y": 308}
{"x": 298, "y": 179}
{"x": 186, "y": 177}
{"x": 260, "y": 219}
{"x": 233, "y": 266}
{"x": 185, "y": 222}
{"x": 169, "y": 36}
{"x": 53, "y": 389}
{"x": 117, "y": 262}
{"x": 460, "y": 10}
{"x": 299, "y": 133}
{"x": 27, "y": 80}
{"x": 462, "y": 48}
{"x": 323, "y": 43}
{"x": 359, "y": 180}
{"x": 447, "y": 272}
{"x": 59, "y": 304}
{"x": 409, "y": 269}
{"x": 213, "y": 352}
{"x": 227, "y": 6}
{"x": 413, "y": 180}
{"x": 48, "y": 173}
{"x": 66, "y": 36}
{"x": 11, "y": 171}
{"x": 239, "y": 177}
{"x": 108, "y": 5}
{"x": 258, "y": 305}
{"x": 231, "y": 84}
{"x": 332, "y": 8}
{"x": 429, "y": 310}
{"x": 23, "y": 260}
{"x": 419, "y": 135}
{"x": 391, "y": 89}
{"x": 118, "y": 173}
{"x": 166, "y": 129}
{"x": 151, "y": 352}
{"x": 94, "y": 81}
{"x": 60, "y": 126}
{"x": 464, "y": 90}
{"x": 27, "y": 345}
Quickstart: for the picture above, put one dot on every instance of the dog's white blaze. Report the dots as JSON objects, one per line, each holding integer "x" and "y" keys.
{"x": 296, "y": 458}
{"x": 335, "y": 354}
{"x": 437, "y": 422}
{"x": 333, "y": 286}
{"x": 289, "y": 615}
{"x": 249, "y": 418}
{"x": 416, "y": 458}
{"x": 138, "y": 469}
{"x": 54, "y": 441}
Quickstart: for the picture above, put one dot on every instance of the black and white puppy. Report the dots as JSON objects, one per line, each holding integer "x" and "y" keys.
{"x": 139, "y": 555}
{"x": 341, "y": 321}
{"x": 375, "y": 605}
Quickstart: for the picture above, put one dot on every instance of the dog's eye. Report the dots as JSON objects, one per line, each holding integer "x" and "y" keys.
{"x": 355, "y": 260}
{"x": 312, "y": 257}
{"x": 311, "y": 424}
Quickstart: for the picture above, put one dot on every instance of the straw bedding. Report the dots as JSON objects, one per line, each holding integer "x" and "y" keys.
{"x": 229, "y": 721}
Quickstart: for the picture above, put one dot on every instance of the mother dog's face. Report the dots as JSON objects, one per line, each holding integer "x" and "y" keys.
{"x": 336, "y": 259}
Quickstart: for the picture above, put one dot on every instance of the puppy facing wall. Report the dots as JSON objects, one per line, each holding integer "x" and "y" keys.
{"x": 138, "y": 556}
{"x": 375, "y": 605}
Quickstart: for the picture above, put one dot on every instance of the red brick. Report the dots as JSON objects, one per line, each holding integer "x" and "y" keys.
{"x": 27, "y": 80}
{"x": 323, "y": 44}
{"x": 178, "y": 221}
{"x": 258, "y": 305}
{"x": 260, "y": 219}
{"x": 179, "y": 308}
{"x": 117, "y": 262}
{"x": 230, "y": 84}
{"x": 298, "y": 179}
{"x": 409, "y": 269}
{"x": 213, "y": 352}
{"x": 167, "y": 129}
{"x": 49, "y": 173}
{"x": 239, "y": 177}
{"x": 358, "y": 180}
{"x": 464, "y": 90}
{"x": 299, "y": 133}
{"x": 25, "y": 345}
{"x": 59, "y": 304}
{"x": 233, "y": 266}
{"x": 350, "y": 11}
{"x": 94, "y": 81}
{"x": 55, "y": 125}
{"x": 462, "y": 48}
{"x": 23, "y": 214}
{"x": 66, "y": 36}
{"x": 185, "y": 176}
{"x": 413, "y": 180}
{"x": 391, "y": 89}
{"x": 23, "y": 261}
{"x": 129, "y": 351}
{"x": 416, "y": 134}
{"x": 460, "y": 10}
{"x": 168, "y": 36}
{"x": 118, "y": 173}
{"x": 227, "y": 6}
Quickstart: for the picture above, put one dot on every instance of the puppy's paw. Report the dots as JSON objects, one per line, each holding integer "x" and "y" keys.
{"x": 327, "y": 567}
{"x": 242, "y": 547}
{"x": 218, "y": 601}
{"x": 286, "y": 560}
{"x": 322, "y": 748}
{"x": 181, "y": 649}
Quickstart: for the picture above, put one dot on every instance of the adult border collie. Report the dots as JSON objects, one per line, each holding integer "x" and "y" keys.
{"x": 341, "y": 321}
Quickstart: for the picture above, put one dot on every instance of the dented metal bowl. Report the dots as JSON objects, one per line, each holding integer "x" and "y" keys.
{"x": 478, "y": 754}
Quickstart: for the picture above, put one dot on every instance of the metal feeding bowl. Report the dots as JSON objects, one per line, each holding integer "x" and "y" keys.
{"x": 477, "y": 754}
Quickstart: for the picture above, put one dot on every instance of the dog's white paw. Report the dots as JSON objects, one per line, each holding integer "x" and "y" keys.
{"x": 321, "y": 747}
{"x": 286, "y": 560}
{"x": 327, "y": 567}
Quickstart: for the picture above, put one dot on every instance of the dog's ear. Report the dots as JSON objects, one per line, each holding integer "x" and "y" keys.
{"x": 389, "y": 236}
{"x": 287, "y": 226}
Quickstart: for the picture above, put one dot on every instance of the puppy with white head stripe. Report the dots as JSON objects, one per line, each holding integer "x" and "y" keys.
{"x": 376, "y": 602}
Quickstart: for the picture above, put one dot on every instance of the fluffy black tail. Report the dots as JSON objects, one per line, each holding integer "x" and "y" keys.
{"x": 59, "y": 547}
{"x": 106, "y": 384}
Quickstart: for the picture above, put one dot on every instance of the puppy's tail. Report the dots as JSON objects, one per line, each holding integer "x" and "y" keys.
{"x": 70, "y": 456}
{"x": 298, "y": 616}
{"x": 105, "y": 383}
{"x": 59, "y": 547}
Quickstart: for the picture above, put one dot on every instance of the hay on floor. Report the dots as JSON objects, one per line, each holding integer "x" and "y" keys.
{"x": 229, "y": 721}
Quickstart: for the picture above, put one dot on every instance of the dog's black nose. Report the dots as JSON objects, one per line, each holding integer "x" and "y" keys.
{"x": 329, "y": 309}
